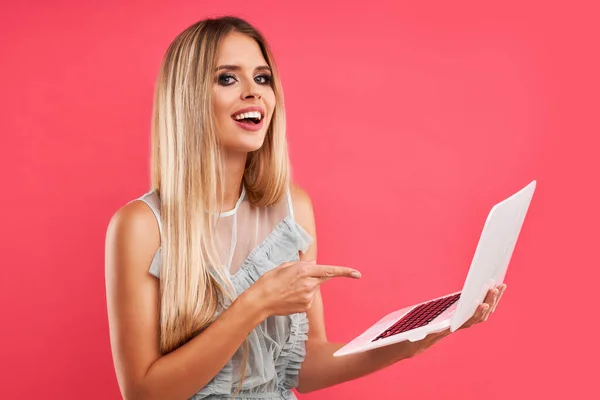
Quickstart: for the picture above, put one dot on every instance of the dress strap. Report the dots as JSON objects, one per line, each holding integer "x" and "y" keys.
{"x": 153, "y": 202}
{"x": 290, "y": 205}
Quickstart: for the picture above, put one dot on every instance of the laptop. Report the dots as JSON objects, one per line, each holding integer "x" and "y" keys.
{"x": 488, "y": 269}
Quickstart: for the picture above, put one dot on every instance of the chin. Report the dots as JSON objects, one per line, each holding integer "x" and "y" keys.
{"x": 238, "y": 140}
{"x": 244, "y": 145}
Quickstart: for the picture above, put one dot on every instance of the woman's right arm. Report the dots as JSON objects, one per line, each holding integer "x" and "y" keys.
{"x": 133, "y": 307}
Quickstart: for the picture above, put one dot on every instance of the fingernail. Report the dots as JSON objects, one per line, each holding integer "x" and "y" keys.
{"x": 356, "y": 274}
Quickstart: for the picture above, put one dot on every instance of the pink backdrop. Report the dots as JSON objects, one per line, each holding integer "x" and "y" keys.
{"x": 406, "y": 124}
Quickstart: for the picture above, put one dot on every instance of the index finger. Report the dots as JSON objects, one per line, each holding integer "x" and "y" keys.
{"x": 326, "y": 272}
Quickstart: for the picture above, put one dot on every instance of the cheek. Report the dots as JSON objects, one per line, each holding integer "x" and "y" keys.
{"x": 217, "y": 103}
{"x": 221, "y": 107}
{"x": 270, "y": 101}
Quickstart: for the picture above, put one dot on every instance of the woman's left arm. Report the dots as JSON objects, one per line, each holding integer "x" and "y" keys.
{"x": 320, "y": 368}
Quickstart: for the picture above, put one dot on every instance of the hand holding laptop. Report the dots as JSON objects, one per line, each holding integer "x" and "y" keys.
{"x": 484, "y": 310}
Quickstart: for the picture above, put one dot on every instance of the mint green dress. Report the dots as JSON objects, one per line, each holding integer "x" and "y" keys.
{"x": 253, "y": 241}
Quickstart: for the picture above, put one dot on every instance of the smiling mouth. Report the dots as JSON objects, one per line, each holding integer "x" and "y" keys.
{"x": 250, "y": 117}
{"x": 251, "y": 120}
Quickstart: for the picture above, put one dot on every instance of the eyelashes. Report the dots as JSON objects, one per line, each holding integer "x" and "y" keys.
{"x": 230, "y": 79}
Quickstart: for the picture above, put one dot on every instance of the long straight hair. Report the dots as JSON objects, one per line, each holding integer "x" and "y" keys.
{"x": 187, "y": 169}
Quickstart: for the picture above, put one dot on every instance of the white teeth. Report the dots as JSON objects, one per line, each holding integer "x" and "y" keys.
{"x": 251, "y": 114}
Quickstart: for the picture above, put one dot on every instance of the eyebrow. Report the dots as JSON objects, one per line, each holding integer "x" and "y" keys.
{"x": 238, "y": 68}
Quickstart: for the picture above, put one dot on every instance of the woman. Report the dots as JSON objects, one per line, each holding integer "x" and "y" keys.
{"x": 211, "y": 277}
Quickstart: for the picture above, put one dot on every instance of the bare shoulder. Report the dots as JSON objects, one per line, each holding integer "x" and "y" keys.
{"x": 303, "y": 208}
{"x": 132, "y": 293}
{"x": 132, "y": 235}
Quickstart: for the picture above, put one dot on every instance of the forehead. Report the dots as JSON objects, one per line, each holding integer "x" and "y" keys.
{"x": 239, "y": 49}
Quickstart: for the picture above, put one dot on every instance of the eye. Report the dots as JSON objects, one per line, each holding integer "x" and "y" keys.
{"x": 263, "y": 79}
{"x": 226, "y": 79}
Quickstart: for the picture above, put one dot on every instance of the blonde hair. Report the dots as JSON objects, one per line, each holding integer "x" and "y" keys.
{"x": 187, "y": 170}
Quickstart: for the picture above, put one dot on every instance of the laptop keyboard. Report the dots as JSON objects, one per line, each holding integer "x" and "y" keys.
{"x": 420, "y": 316}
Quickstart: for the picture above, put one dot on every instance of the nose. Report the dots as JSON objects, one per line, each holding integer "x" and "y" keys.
{"x": 252, "y": 94}
{"x": 251, "y": 91}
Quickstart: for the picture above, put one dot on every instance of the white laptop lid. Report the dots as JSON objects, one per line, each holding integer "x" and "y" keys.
{"x": 493, "y": 252}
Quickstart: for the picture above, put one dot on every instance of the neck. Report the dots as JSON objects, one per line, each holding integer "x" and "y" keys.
{"x": 234, "y": 164}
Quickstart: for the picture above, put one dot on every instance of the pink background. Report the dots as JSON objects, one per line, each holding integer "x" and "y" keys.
{"x": 406, "y": 124}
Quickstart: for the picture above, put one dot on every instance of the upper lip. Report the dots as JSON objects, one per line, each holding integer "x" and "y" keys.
{"x": 248, "y": 109}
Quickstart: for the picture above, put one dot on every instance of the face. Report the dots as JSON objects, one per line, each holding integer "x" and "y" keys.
{"x": 243, "y": 97}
